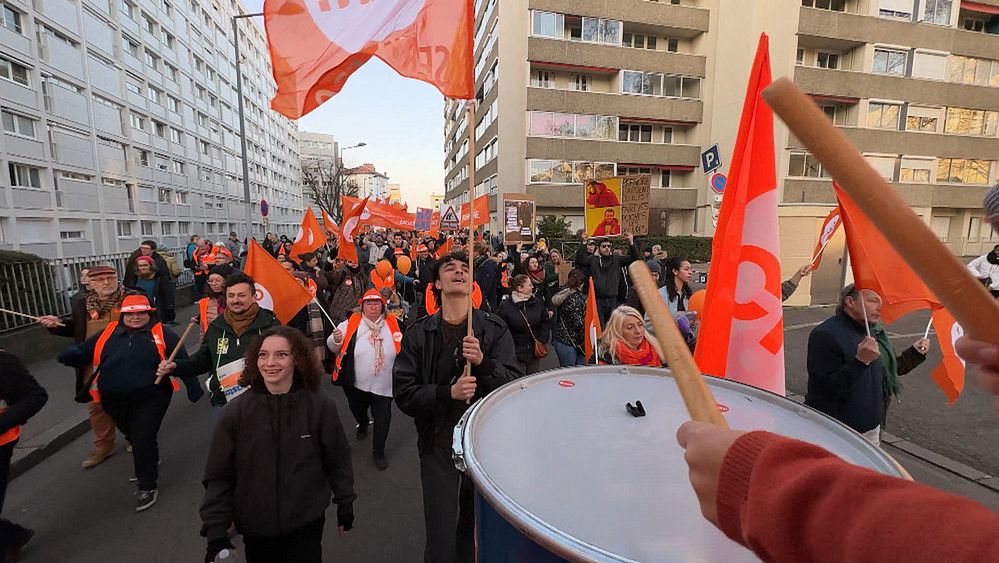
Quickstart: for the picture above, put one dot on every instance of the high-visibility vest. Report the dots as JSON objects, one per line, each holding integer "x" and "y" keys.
{"x": 158, "y": 339}
{"x": 430, "y": 301}
{"x": 12, "y": 434}
{"x": 352, "y": 324}
{"x": 203, "y": 313}
{"x": 505, "y": 278}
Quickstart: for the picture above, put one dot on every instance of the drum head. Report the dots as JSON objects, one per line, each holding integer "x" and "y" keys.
{"x": 560, "y": 458}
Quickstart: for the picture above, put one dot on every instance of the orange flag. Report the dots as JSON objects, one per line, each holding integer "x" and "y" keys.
{"x": 949, "y": 375}
{"x": 445, "y": 248}
{"x": 829, "y": 228}
{"x": 351, "y": 220}
{"x": 277, "y": 290}
{"x": 591, "y": 325}
{"x": 378, "y": 214}
{"x": 466, "y": 215}
{"x": 878, "y": 267}
{"x": 316, "y": 46}
{"x": 330, "y": 225}
{"x": 310, "y": 236}
{"x": 480, "y": 211}
{"x": 742, "y": 331}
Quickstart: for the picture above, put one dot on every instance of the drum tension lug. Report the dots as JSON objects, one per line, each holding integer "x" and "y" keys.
{"x": 637, "y": 410}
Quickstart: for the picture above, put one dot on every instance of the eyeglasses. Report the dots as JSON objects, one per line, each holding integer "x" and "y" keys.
{"x": 605, "y": 245}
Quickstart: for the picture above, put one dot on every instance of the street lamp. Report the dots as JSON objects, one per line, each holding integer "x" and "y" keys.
{"x": 340, "y": 157}
{"x": 248, "y": 218}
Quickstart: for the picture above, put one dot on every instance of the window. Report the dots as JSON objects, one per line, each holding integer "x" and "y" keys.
{"x": 131, "y": 47}
{"x": 18, "y": 124}
{"x": 899, "y": 9}
{"x": 885, "y": 165}
{"x": 971, "y": 24}
{"x": 826, "y": 59}
{"x": 172, "y": 72}
{"x": 917, "y": 123}
{"x": 963, "y": 171}
{"x": 24, "y": 176}
{"x": 834, "y": 5}
{"x": 543, "y": 79}
{"x": 883, "y": 115}
{"x": 927, "y": 64}
{"x": 146, "y": 227}
{"x": 548, "y": 124}
{"x": 648, "y": 83}
{"x": 173, "y": 104}
{"x": 70, "y": 235}
{"x": 153, "y": 94}
{"x": 974, "y": 71}
{"x": 75, "y": 176}
{"x": 963, "y": 121}
{"x": 133, "y": 87}
{"x": 159, "y": 129}
{"x": 169, "y": 41}
{"x": 567, "y": 172}
{"x": 599, "y": 30}
{"x": 937, "y": 11}
{"x": 142, "y": 157}
{"x": 941, "y": 227}
{"x": 176, "y": 135}
{"x": 11, "y": 19}
{"x": 667, "y": 135}
{"x": 799, "y": 57}
{"x": 148, "y": 23}
{"x": 164, "y": 196}
{"x": 580, "y": 82}
{"x": 166, "y": 228}
{"x": 887, "y": 61}
{"x": 184, "y": 227}
{"x": 672, "y": 44}
{"x": 804, "y": 165}
{"x": 547, "y": 24}
{"x": 639, "y": 41}
{"x": 635, "y": 133}
{"x": 682, "y": 87}
{"x": 9, "y": 70}
{"x": 205, "y": 147}
{"x": 974, "y": 228}
{"x": 178, "y": 167}
{"x": 137, "y": 121}
{"x": 915, "y": 170}
{"x": 128, "y": 8}
{"x": 181, "y": 198}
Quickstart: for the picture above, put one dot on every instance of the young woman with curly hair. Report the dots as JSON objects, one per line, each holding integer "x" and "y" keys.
{"x": 278, "y": 452}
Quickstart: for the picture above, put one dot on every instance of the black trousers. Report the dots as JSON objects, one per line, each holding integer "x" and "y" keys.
{"x": 448, "y": 507}
{"x": 199, "y": 284}
{"x": 8, "y": 529}
{"x": 139, "y": 418}
{"x": 381, "y": 411}
{"x": 168, "y": 309}
{"x": 606, "y": 306}
{"x": 304, "y": 545}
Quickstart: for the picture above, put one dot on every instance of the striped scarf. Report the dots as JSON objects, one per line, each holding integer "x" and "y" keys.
{"x": 375, "y": 340}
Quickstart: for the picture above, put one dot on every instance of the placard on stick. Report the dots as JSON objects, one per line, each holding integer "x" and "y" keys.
{"x": 636, "y": 192}
{"x": 519, "y": 217}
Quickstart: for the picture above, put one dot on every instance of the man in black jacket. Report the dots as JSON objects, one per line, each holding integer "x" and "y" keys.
{"x": 487, "y": 275}
{"x": 846, "y": 368}
{"x": 607, "y": 273}
{"x": 429, "y": 384}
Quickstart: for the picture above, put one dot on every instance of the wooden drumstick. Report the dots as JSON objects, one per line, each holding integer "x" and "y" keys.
{"x": 696, "y": 395}
{"x": 180, "y": 344}
{"x": 963, "y": 295}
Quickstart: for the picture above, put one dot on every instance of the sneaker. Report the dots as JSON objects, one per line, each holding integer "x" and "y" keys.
{"x": 97, "y": 458}
{"x": 145, "y": 499}
{"x": 362, "y": 431}
{"x": 381, "y": 463}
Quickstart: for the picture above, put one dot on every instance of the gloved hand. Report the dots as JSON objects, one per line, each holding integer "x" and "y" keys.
{"x": 683, "y": 324}
{"x": 72, "y": 357}
{"x": 345, "y": 516}
{"x": 215, "y": 546}
{"x": 194, "y": 390}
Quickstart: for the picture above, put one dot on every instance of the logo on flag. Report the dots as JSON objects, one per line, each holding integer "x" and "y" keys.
{"x": 829, "y": 227}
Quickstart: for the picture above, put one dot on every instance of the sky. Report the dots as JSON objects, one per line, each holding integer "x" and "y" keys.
{"x": 400, "y": 119}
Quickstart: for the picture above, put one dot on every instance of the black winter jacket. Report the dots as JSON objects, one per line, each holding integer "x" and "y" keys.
{"x": 514, "y": 317}
{"x": 23, "y": 395}
{"x": 839, "y": 385}
{"x": 607, "y": 273}
{"x": 423, "y": 391}
{"x": 487, "y": 275}
{"x": 273, "y": 462}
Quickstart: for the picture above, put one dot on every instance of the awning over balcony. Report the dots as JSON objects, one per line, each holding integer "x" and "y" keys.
{"x": 584, "y": 68}
{"x": 674, "y": 167}
{"x": 835, "y": 99}
{"x": 979, "y": 7}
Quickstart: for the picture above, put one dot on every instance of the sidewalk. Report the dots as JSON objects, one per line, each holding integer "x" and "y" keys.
{"x": 62, "y": 419}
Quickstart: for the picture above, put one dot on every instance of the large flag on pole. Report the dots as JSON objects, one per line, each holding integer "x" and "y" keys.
{"x": 277, "y": 290}
{"x": 379, "y": 214}
{"x": 316, "y": 45}
{"x": 330, "y": 225}
{"x": 878, "y": 267}
{"x": 310, "y": 236}
{"x": 742, "y": 333}
{"x": 829, "y": 228}
{"x": 591, "y": 325}
{"x": 949, "y": 375}
{"x": 351, "y": 221}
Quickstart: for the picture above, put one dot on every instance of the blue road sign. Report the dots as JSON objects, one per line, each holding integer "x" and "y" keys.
{"x": 718, "y": 181}
{"x": 711, "y": 159}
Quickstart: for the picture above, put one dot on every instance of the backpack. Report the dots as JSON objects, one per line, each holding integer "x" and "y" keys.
{"x": 171, "y": 264}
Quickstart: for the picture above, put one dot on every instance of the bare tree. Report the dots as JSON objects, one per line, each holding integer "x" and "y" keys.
{"x": 325, "y": 183}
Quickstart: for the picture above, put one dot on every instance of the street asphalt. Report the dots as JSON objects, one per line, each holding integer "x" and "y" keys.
{"x": 88, "y": 515}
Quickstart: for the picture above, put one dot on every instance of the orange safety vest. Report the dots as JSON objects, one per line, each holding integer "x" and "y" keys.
{"x": 430, "y": 302}
{"x": 203, "y": 314}
{"x": 352, "y": 324}
{"x": 158, "y": 339}
{"x": 505, "y": 278}
{"x": 12, "y": 434}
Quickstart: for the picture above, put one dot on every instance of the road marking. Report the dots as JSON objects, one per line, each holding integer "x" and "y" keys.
{"x": 801, "y": 326}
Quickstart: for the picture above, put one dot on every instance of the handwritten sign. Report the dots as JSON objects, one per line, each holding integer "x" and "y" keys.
{"x": 636, "y": 192}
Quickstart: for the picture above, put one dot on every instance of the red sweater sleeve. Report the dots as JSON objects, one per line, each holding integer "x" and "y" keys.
{"x": 792, "y": 501}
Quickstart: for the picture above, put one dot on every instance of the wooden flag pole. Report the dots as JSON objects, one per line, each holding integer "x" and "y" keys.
{"x": 471, "y": 222}
{"x": 180, "y": 344}
{"x": 32, "y": 317}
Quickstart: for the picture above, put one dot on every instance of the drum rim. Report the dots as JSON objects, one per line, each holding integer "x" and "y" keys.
{"x": 558, "y": 541}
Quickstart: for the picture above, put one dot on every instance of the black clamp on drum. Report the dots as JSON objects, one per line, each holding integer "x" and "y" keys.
{"x": 637, "y": 410}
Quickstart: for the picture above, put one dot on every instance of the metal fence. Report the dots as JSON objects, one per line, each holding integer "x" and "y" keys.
{"x": 45, "y": 287}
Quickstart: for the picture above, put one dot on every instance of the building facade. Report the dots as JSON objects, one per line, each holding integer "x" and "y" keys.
{"x": 370, "y": 182}
{"x": 589, "y": 89}
{"x": 120, "y": 124}
{"x": 394, "y": 193}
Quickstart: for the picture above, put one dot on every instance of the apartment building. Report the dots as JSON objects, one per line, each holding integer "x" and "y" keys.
{"x": 588, "y": 89}
{"x": 370, "y": 182}
{"x": 120, "y": 124}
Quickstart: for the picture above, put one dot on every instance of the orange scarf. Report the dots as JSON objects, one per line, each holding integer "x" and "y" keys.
{"x": 645, "y": 355}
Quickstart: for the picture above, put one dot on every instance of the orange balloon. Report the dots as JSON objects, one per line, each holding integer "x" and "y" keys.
{"x": 696, "y": 302}
{"x": 403, "y": 263}
{"x": 384, "y": 268}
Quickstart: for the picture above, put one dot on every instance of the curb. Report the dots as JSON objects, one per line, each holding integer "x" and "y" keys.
{"x": 36, "y": 450}
{"x": 959, "y": 469}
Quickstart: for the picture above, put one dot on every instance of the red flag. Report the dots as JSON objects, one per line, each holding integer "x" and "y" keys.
{"x": 876, "y": 265}
{"x": 310, "y": 236}
{"x": 742, "y": 332}
{"x": 445, "y": 248}
{"x": 435, "y": 225}
{"x": 466, "y": 215}
{"x": 480, "y": 211}
{"x": 949, "y": 375}
{"x": 316, "y": 46}
{"x": 591, "y": 324}
{"x": 351, "y": 220}
{"x": 829, "y": 228}
{"x": 330, "y": 225}
{"x": 277, "y": 290}
{"x": 382, "y": 215}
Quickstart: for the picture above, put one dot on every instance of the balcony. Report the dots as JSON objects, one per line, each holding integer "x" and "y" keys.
{"x": 819, "y": 190}
{"x": 613, "y": 151}
{"x": 574, "y": 53}
{"x": 677, "y": 21}
{"x": 621, "y": 105}
{"x": 849, "y": 84}
{"x": 916, "y": 143}
{"x": 571, "y": 196}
